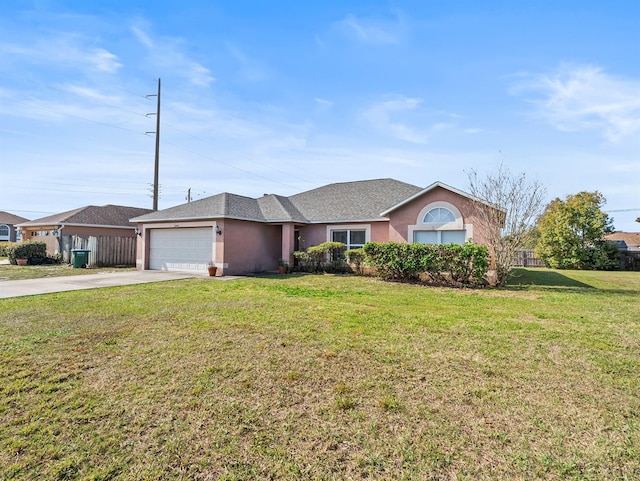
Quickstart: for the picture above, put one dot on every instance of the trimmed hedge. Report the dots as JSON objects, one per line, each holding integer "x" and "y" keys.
{"x": 325, "y": 257}
{"x": 444, "y": 264}
{"x": 5, "y": 248}
{"x": 27, "y": 250}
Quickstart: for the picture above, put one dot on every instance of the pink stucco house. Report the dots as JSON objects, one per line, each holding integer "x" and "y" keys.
{"x": 240, "y": 234}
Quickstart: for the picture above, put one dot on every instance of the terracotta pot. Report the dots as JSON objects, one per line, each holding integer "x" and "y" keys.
{"x": 282, "y": 269}
{"x": 212, "y": 270}
{"x": 22, "y": 262}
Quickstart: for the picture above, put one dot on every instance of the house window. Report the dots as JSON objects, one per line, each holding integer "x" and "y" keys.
{"x": 440, "y": 222}
{"x": 439, "y": 215}
{"x": 352, "y": 238}
{"x": 439, "y": 236}
{"x": 4, "y": 232}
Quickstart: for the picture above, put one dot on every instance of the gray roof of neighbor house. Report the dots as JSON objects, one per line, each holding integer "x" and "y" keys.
{"x": 106, "y": 215}
{"x": 11, "y": 219}
{"x": 342, "y": 202}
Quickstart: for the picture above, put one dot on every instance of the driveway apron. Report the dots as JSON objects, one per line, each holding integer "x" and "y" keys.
{"x": 32, "y": 287}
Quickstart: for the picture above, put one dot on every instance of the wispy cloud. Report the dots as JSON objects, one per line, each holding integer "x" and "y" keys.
{"x": 371, "y": 31}
{"x": 90, "y": 94}
{"x": 250, "y": 69}
{"x": 167, "y": 53}
{"x": 585, "y": 97}
{"x": 384, "y": 30}
{"x": 393, "y": 117}
{"x": 323, "y": 105}
{"x": 68, "y": 50}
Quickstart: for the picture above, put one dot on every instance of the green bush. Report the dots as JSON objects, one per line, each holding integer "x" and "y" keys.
{"x": 447, "y": 264}
{"x": 27, "y": 250}
{"x": 325, "y": 257}
{"x": 355, "y": 257}
{"x": 5, "y": 248}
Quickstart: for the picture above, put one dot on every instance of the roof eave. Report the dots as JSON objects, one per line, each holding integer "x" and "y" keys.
{"x": 348, "y": 221}
{"x": 67, "y": 224}
{"x": 196, "y": 218}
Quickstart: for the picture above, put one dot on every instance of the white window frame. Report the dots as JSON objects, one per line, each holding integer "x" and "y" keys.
{"x": 349, "y": 227}
{"x": 457, "y": 224}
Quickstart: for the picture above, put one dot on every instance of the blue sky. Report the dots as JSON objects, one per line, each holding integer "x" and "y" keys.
{"x": 285, "y": 96}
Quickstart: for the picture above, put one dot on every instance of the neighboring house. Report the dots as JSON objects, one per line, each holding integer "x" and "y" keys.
{"x": 630, "y": 240}
{"x": 8, "y": 222}
{"x": 108, "y": 220}
{"x": 241, "y": 234}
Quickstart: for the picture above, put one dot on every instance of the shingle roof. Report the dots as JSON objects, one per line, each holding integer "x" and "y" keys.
{"x": 631, "y": 239}
{"x": 107, "y": 215}
{"x": 351, "y": 201}
{"x": 216, "y": 206}
{"x": 278, "y": 208}
{"x": 342, "y": 202}
{"x": 11, "y": 219}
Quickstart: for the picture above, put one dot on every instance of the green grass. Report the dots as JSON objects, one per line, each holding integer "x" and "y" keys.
{"x": 325, "y": 377}
{"x": 9, "y": 272}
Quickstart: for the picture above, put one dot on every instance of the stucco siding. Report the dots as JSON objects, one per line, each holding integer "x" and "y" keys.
{"x": 403, "y": 217}
{"x": 250, "y": 246}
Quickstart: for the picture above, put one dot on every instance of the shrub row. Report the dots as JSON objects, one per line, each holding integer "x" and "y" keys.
{"x": 26, "y": 250}
{"x": 445, "y": 264}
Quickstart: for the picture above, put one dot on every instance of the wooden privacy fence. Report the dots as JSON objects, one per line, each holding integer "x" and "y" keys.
{"x": 106, "y": 251}
{"x": 525, "y": 258}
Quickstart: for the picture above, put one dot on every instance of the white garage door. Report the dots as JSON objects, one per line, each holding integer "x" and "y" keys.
{"x": 181, "y": 249}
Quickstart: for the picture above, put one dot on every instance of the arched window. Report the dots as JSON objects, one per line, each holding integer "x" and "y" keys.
{"x": 4, "y": 232}
{"x": 439, "y": 222}
{"x": 439, "y": 215}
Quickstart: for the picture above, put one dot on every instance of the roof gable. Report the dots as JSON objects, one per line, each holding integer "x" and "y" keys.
{"x": 11, "y": 219}
{"x": 431, "y": 187}
{"x": 107, "y": 215}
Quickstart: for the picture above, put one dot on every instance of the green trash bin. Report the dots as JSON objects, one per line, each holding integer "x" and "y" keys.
{"x": 80, "y": 257}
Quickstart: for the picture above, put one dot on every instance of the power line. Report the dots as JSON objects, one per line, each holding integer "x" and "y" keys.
{"x": 75, "y": 116}
{"x": 249, "y": 172}
{"x": 230, "y": 165}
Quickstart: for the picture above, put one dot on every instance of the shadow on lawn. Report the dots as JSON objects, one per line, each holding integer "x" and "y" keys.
{"x": 531, "y": 277}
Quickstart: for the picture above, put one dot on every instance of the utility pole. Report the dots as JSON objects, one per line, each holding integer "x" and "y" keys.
{"x": 157, "y": 157}
{"x": 189, "y": 194}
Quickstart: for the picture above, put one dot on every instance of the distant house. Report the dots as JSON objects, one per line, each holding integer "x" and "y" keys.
{"x": 625, "y": 240}
{"x": 91, "y": 220}
{"x": 242, "y": 234}
{"x": 8, "y": 222}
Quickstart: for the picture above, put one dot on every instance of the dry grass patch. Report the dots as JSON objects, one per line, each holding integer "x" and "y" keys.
{"x": 323, "y": 377}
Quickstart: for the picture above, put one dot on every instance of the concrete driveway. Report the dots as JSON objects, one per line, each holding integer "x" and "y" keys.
{"x": 31, "y": 287}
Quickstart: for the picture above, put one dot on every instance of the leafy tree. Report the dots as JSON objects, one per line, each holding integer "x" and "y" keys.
{"x": 572, "y": 233}
{"x": 506, "y": 206}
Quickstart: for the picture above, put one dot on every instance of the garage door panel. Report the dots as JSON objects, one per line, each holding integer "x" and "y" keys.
{"x": 181, "y": 249}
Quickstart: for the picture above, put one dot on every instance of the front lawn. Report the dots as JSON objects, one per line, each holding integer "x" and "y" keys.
{"x": 9, "y": 272}
{"x": 325, "y": 377}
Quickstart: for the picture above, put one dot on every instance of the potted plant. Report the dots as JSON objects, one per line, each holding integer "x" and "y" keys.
{"x": 212, "y": 269}
{"x": 282, "y": 266}
{"x": 21, "y": 261}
